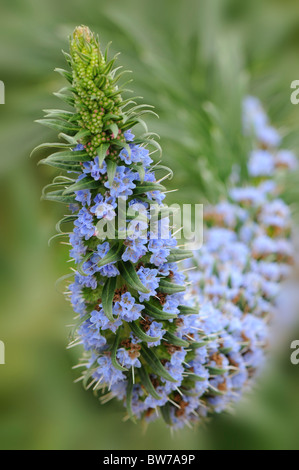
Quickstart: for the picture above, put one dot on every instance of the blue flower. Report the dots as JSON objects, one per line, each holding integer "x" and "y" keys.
{"x": 83, "y": 196}
{"x": 122, "y": 184}
{"x": 156, "y": 331}
{"x": 107, "y": 373}
{"x": 104, "y": 207}
{"x": 84, "y": 223}
{"x": 101, "y": 321}
{"x": 127, "y": 309}
{"x": 149, "y": 279}
{"x": 129, "y": 136}
{"x": 261, "y": 163}
{"x": 135, "y": 249}
{"x": 126, "y": 359}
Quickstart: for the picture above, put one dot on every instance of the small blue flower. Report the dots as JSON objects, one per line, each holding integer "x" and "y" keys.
{"x": 156, "y": 331}
{"x": 149, "y": 279}
{"x": 83, "y": 196}
{"x": 129, "y": 136}
{"x": 127, "y": 309}
{"x": 127, "y": 360}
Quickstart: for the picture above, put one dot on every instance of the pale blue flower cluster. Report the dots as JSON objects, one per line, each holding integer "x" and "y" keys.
{"x": 246, "y": 255}
{"x": 209, "y": 341}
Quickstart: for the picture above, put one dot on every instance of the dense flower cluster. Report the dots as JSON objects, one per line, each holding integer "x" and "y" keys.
{"x": 247, "y": 253}
{"x": 147, "y": 341}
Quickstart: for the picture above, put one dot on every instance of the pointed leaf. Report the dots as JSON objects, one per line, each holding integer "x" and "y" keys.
{"x": 129, "y": 274}
{"x": 64, "y": 220}
{"x": 107, "y": 297}
{"x": 157, "y": 313}
{"x": 167, "y": 287}
{"x": 50, "y": 145}
{"x": 61, "y": 166}
{"x": 66, "y": 98}
{"x": 69, "y": 156}
{"x": 216, "y": 370}
{"x": 165, "y": 411}
{"x": 57, "y": 124}
{"x": 102, "y": 152}
{"x": 129, "y": 397}
{"x": 113, "y": 255}
{"x": 196, "y": 377}
{"x": 114, "y": 129}
{"x": 85, "y": 183}
{"x": 178, "y": 255}
{"x": 173, "y": 339}
{"x": 188, "y": 310}
{"x": 147, "y": 186}
{"x": 141, "y": 334}
{"x": 111, "y": 170}
{"x": 65, "y": 74}
{"x": 114, "y": 351}
{"x": 146, "y": 382}
{"x": 154, "y": 363}
{"x": 141, "y": 171}
{"x": 59, "y": 197}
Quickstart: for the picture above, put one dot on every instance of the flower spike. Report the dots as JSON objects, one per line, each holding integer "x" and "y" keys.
{"x": 146, "y": 341}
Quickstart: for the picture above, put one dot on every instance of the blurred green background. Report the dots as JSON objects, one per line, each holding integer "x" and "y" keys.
{"x": 194, "y": 60}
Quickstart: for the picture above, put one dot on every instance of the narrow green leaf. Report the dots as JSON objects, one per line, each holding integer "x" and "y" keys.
{"x": 196, "y": 377}
{"x": 107, "y": 297}
{"x": 129, "y": 274}
{"x": 152, "y": 360}
{"x": 69, "y": 138}
{"x": 173, "y": 339}
{"x": 157, "y": 313}
{"x": 68, "y": 57}
{"x": 165, "y": 411}
{"x": 82, "y": 134}
{"x": 113, "y": 255}
{"x": 83, "y": 260}
{"x": 59, "y": 113}
{"x": 114, "y": 351}
{"x": 141, "y": 334}
{"x": 141, "y": 171}
{"x": 57, "y": 235}
{"x": 188, "y": 310}
{"x": 61, "y": 166}
{"x": 102, "y": 152}
{"x": 64, "y": 220}
{"x": 178, "y": 255}
{"x": 114, "y": 129}
{"x": 65, "y": 74}
{"x": 146, "y": 382}
{"x": 163, "y": 167}
{"x": 50, "y": 145}
{"x": 85, "y": 183}
{"x": 66, "y": 98}
{"x": 215, "y": 391}
{"x": 57, "y": 124}
{"x": 129, "y": 397}
{"x": 147, "y": 186}
{"x": 59, "y": 197}
{"x": 69, "y": 156}
{"x": 111, "y": 170}
{"x": 109, "y": 116}
{"x": 167, "y": 287}
{"x": 216, "y": 370}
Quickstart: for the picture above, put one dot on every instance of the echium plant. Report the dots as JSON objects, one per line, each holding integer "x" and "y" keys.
{"x": 146, "y": 340}
{"x": 137, "y": 328}
{"x": 246, "y": 255}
